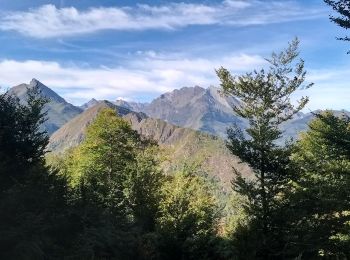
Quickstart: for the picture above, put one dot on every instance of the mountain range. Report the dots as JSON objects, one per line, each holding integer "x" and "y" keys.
{"x": 210, "y": 111}
{"x": 206, "y": 110}
{"x": 179, "y": 146}
{"x": 189, "y": 125}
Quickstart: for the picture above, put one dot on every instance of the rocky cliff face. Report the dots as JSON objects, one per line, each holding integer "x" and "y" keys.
{"x": 201, "y": 109}
{"x": 134, "y": 106}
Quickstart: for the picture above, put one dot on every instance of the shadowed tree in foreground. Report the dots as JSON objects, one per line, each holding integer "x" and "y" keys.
{"x": 33, "y": 199}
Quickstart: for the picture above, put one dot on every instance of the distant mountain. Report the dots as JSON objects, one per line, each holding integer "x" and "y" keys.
{"x": 210, "y": 111}
{"x": 89, "y": 104}
{"x": 293, "y": 127}
{"x": 59, "y": 110}
{"x": 201, "y": 109}
{"x": 72, "y": 133}
{"x": 300, "y": 122}
{"x": 179, "y": 145}
{"x": 206, "y": 110}
{"x": 134, "y": 106}
{"x": 169, "y": 119}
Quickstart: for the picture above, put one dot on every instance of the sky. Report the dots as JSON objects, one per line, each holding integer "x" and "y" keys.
{"x": 137, "y": 50}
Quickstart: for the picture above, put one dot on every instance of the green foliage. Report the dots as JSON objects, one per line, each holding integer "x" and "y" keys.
{"x": 188, "y": 217}
{"x": 342, "y": 7}
{"x": 265, "y": 102}
{"x": 127, "y": 208}
{"x": 116, "y": 188}
{"x": 144, "y": 185}
{"x": 320, "y": 197}
{"x": 22, "y": 143}
{"x": 108, "y": 198}
{"x": 33, "y": 198}
{"x": 234, "y": 214}
{"x": 104, "y": 160}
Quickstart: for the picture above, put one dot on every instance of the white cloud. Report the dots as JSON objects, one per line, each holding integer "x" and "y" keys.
{"x": 49, "y": 21}
{"x": 152, "y": 74}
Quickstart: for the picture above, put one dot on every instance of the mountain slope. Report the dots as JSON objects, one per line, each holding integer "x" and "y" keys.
{"x": 72, "y": 133}
{"x": 179, "y": 145}
{"x": 193, "y": 107}
{"x": 58, "y": 110}
{"x": 209, "y": 111}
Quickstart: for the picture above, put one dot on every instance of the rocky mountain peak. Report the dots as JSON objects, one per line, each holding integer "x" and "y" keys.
{"x": 123, "y": 103}
{"x": 34, "y": 82}
{"x": 89, "y": 104}
{"x": 45, "y": 91}
{"x": 59, "y": 110}
{"x": 133, "y": 106}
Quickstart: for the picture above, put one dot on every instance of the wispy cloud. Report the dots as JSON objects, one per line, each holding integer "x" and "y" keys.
{"x": 147, "y": 73}
{"x": 49, "y": 21}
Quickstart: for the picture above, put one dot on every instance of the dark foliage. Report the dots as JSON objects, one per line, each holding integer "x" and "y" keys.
{"x": 342, "y": 7}
{"x": 32, "y": 196}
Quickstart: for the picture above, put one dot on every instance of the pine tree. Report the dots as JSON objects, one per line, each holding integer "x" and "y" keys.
{"x": 265, "y": 101}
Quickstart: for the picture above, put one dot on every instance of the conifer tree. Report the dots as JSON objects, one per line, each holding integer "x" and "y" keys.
{"x": 22, "y": 143}
{"x": 320, "y": 197}
{"x": 265, "y": 102}
{"x": 342, "y": 7}
{"x": 33, "y": 198}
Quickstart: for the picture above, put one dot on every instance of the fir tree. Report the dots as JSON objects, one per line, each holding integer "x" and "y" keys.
{"x": 265, "y": 101}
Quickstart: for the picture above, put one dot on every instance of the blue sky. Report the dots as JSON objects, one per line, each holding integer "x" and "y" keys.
{"x": 136, "y": 50}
